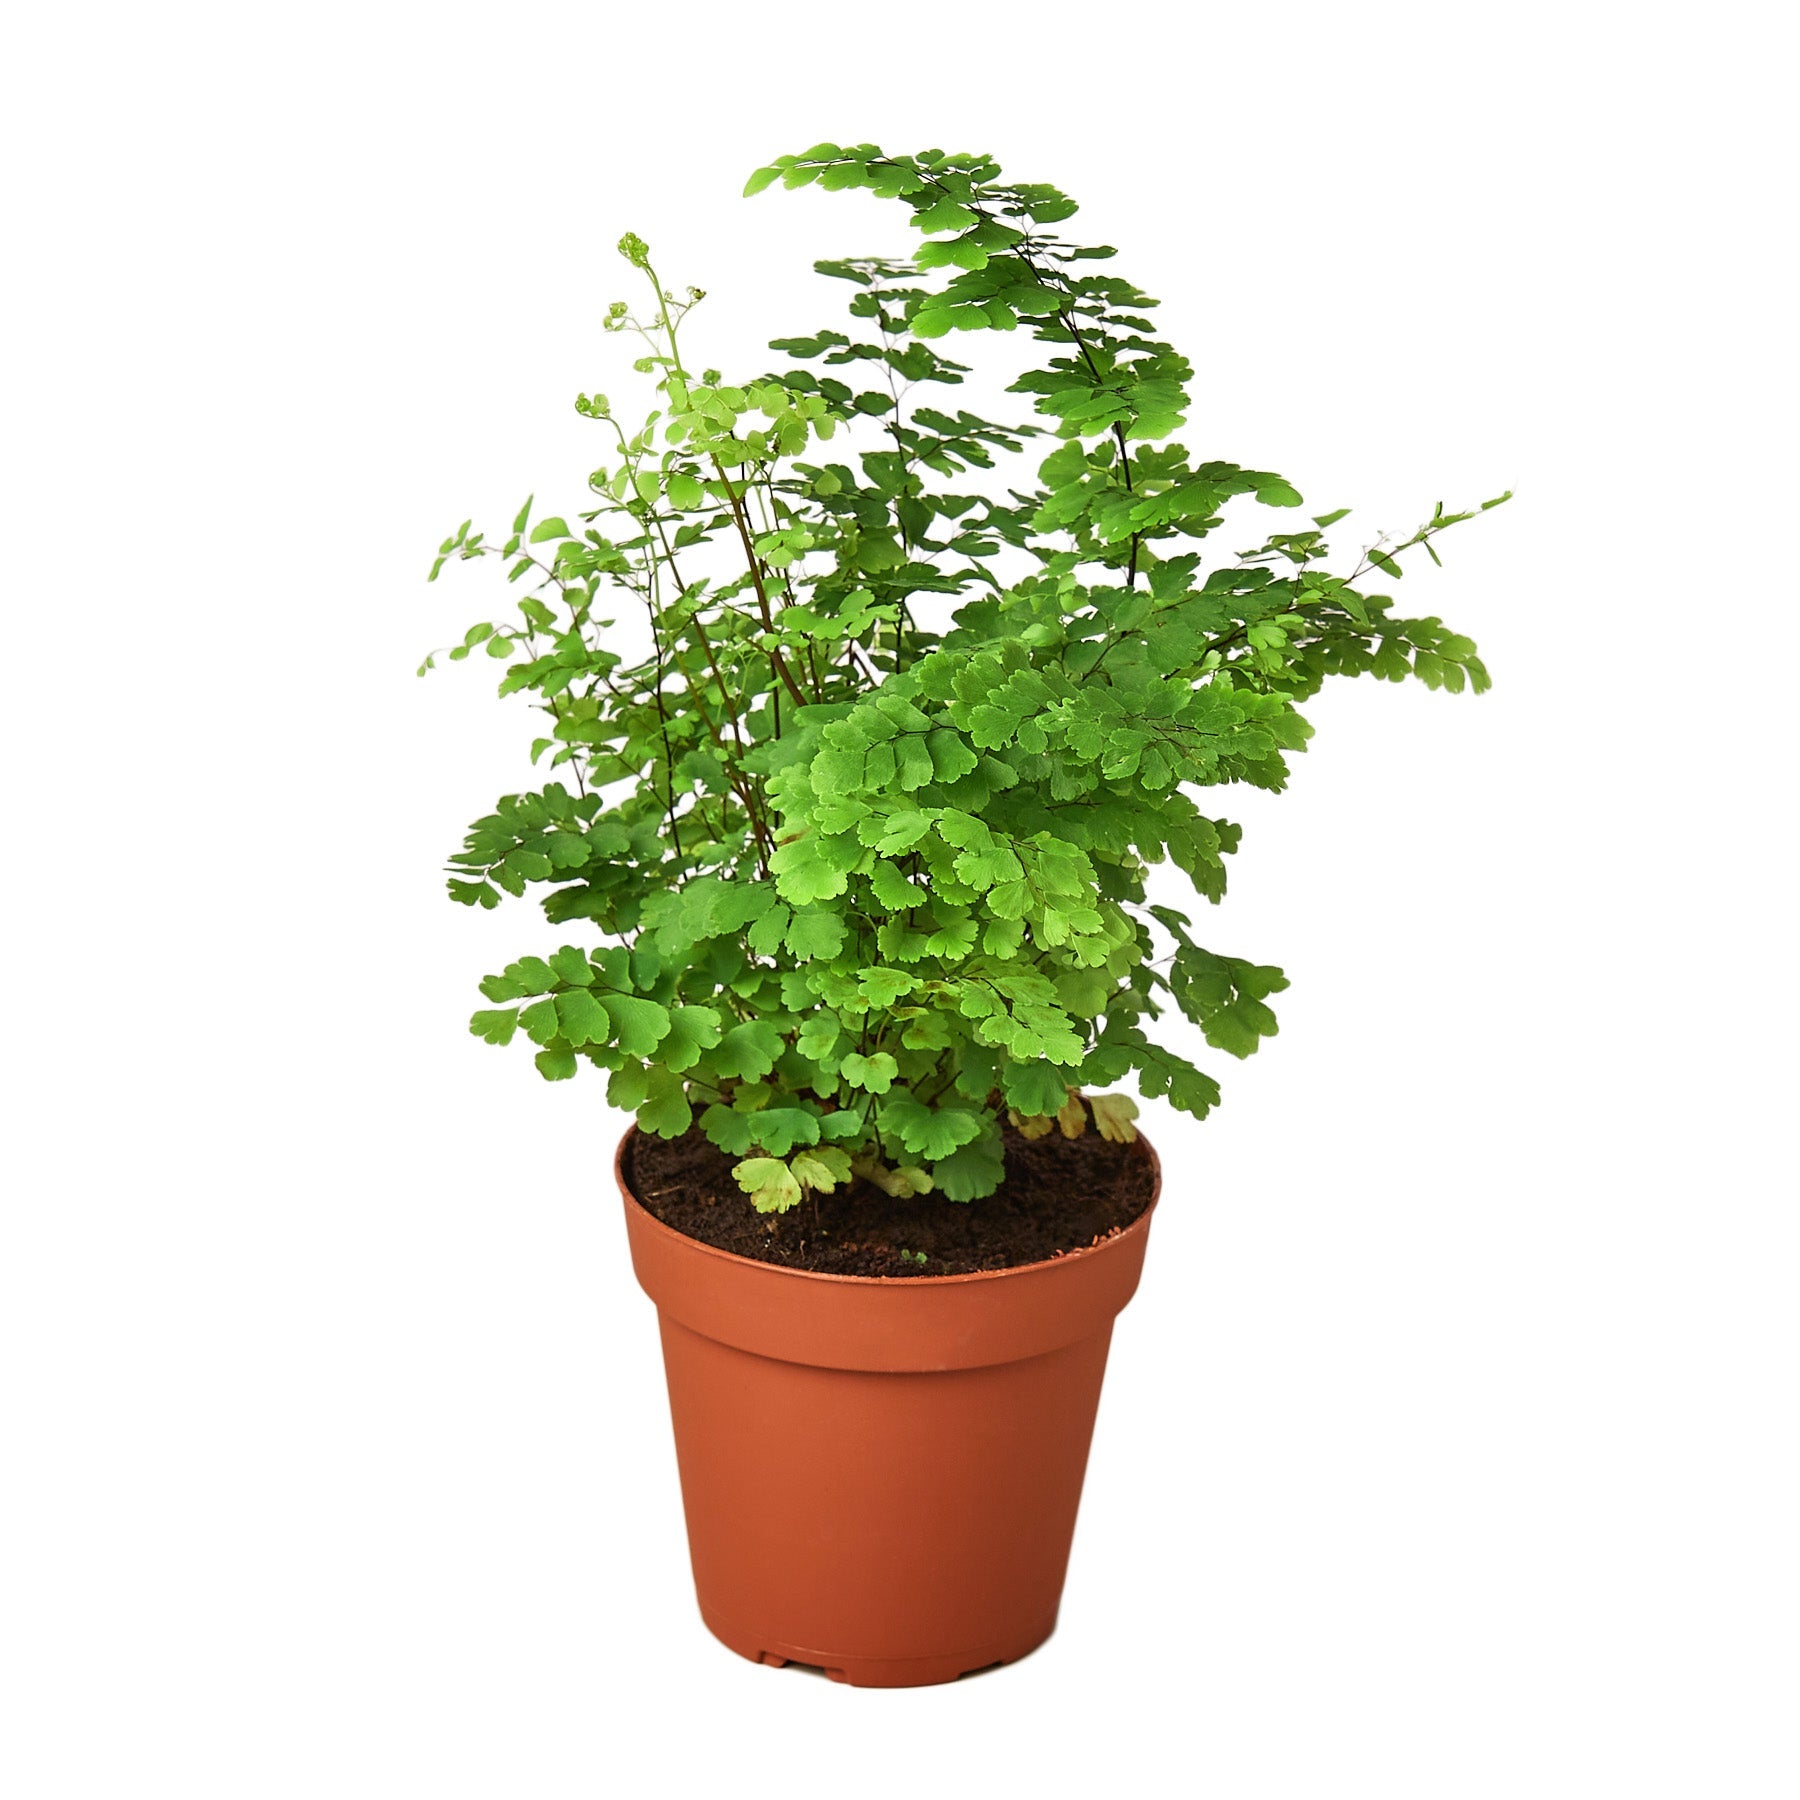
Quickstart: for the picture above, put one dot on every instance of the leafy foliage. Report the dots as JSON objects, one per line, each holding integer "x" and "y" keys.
{"x": 861, "y": 843}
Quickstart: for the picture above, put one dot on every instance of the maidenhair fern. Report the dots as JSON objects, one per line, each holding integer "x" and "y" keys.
{"x": 855, "y": 855}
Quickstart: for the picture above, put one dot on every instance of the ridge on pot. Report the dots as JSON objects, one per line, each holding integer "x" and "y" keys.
{"x": 881, "y": 1477}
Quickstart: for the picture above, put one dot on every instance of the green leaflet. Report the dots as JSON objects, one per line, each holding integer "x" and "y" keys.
{"x": 951, "y": 757}
{"x": 913, "y": 764}
{"x": 892, "y": 889}
{"x": 571, "y": 964}
{"x": 824, "y": 1168}
{"x": 815, "y": 932}
{"x": 1035, "y": 1089}
{"x": 540, "y": 1022}
{"x": 638, "y": 1025}
{"x": 815, "y": 868}
{"x": 495, "y": 1027}
{"x": 874, "y": 1073}
{"x": 972, "y": 1171}
{"x": 901, "y": 830}
{"x": 750, "y": 1049}
{"x": 778, "y": 1129}
{"x": 728, "y": 1128}
{"x": 856, "y": 857}
{"x": 692, "y": 1029}
{"x": 582, "y": 1019}
{"x": 770, "y": 1183}
{"x": 628, "y": 1086}
{"x": 819, "y": 1036}
{"x": 665, "y": 1109}
{"x": 929, "y": 1132}
{"x": 769, "y": 932}
{"x": 880, "y": 987}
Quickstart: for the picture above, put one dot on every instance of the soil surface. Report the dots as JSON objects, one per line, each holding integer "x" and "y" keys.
{"x": 1059, "y": 1194}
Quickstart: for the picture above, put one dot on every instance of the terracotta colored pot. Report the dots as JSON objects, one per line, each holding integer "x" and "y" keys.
{"x": 881, "y": 1476}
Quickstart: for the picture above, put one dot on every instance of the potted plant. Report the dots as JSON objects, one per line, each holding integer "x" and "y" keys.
{"x": 850, "y": 844}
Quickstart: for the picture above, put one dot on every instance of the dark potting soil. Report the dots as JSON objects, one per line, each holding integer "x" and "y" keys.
{"x": 1059, "y": 1194}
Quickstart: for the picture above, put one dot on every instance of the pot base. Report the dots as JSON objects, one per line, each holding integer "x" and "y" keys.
{"x": 875, "y": 1671}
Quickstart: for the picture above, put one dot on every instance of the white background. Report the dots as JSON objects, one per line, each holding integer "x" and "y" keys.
{"x": 1449, "y": 1447}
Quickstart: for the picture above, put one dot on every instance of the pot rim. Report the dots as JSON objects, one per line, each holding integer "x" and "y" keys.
{"x": 1138, "y": 1225}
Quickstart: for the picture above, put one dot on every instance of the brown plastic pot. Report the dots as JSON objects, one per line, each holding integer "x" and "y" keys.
{"x": 881, "y": 1476}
